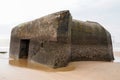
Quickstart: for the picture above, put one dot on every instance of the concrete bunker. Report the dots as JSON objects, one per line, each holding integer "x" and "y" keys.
{"x": 57, "y": 39}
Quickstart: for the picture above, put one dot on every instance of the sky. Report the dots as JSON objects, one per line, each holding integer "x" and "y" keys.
{"x": 105, "y": 12}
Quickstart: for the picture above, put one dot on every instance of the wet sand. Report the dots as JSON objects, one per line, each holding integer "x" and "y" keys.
{"x": 82, "y": 70}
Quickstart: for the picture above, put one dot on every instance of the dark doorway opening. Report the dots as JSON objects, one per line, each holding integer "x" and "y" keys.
{"x": 24, "y": 48}
{"x": 41, "y": 45}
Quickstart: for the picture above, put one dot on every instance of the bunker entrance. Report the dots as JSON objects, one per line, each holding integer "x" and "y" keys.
{"x": 24, "y": 48}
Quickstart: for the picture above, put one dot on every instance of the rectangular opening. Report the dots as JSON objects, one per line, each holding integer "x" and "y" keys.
{"x": 24, "y": 48}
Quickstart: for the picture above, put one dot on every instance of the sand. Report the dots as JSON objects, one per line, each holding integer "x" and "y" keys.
{"x": 82, "y": 70}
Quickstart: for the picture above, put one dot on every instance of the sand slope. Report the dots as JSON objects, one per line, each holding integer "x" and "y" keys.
{"x": 82, "y": 70}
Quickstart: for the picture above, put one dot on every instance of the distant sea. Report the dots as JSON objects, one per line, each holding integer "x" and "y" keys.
{"x": 116, "y": 46}
{"x": 5, "y": 44}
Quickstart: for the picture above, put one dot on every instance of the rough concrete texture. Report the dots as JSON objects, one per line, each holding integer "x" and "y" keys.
{"x": 56, "y": 39}
{"x": 90, "y": 41}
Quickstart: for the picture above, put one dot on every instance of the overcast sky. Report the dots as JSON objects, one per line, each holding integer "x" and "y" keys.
{"x": 105, "y": 12}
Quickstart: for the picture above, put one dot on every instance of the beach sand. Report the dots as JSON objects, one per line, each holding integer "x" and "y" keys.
{"x": 81, "y": 70}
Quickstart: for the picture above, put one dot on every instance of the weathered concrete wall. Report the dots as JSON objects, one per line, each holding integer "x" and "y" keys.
{"x": 90, "y": 42}
{"x": 56, "y": 39}
{"x": 53, "y": 31}
{"x": 53, "y": 54}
